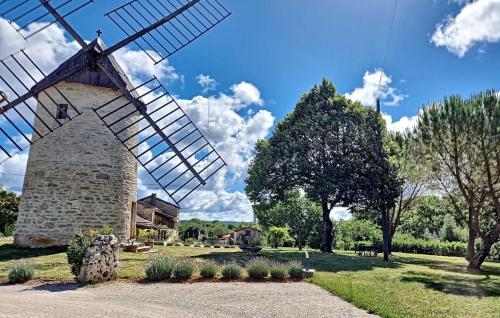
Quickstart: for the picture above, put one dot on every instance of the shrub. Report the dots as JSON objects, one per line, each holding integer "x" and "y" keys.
{"x": 10, "y": 229}
{"x": 147, "y": 235}
{"x": 295, "y": 269}
{"x": 277, "y": 235}
{"x": 431, "y": 247}
{"x": 77, "y": 248}
{"x": 258, "y": 268}
{"x": 190, "y": 241}
{"x": 208, "y": 270}
{"x": 278, "y": 271}
{"x": 183, "y": 269}
{"x": 160, "y": 269}
{"x": 21, "y": 273}
{"x": 231, "y": 271}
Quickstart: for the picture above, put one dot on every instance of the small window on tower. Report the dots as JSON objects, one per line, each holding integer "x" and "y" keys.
{"x": 62, "y": 111}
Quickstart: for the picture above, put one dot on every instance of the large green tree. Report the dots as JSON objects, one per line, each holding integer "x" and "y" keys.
{"x": 460, "y": 139}
{"x": 328, "y": 146}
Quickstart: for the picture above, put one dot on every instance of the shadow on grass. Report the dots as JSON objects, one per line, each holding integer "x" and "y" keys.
{"x": 8, "y": 252}
{"x": 447, "y": 266}
{"x": 319, "y": 261}
{"x": 455, "y": 284}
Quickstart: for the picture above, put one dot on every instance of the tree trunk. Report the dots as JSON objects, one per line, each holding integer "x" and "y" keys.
{"x": 471, "y": 249}
{"x": 390, "y": 242}
{"x": 300, "y": 240}
{"x": 326, "y": 235}
{"x": 385, "y": 233}
{"x": 490, "y": 239}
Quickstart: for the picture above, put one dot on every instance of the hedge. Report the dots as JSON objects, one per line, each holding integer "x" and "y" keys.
{"x": 418, "y": 246}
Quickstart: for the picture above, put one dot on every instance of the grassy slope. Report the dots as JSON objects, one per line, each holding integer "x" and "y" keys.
{"x": 408, "y": 286}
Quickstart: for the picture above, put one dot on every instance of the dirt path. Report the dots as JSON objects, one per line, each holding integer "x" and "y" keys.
{"x": 174, "y": 300}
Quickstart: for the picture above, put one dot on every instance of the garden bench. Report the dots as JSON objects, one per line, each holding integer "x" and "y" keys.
{"x": 367, "y": 250}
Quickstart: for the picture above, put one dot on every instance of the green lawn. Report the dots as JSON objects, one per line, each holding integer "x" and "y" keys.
{"x": 408, "y": 286}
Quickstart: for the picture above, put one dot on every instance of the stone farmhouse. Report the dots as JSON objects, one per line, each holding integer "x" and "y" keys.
{"x": 155, "y": 213}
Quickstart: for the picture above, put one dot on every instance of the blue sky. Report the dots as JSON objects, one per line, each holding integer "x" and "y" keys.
{"x": 281, "y": 48}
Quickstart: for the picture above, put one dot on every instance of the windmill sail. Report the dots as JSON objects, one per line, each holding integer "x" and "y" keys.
{"x": 166, "y": 143}
{"x": 161, "y": 28}
{"x": 22, "y": 122}
{"x": 30, "y": 17}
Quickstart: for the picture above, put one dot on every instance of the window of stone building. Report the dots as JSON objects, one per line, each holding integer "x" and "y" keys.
{"x": 62, "y": 111}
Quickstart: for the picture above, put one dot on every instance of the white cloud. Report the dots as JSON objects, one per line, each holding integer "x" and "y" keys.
{"x": 12, "y": 171}
{"x": 137, "y": 64}
{"x": 367, "y": 94}
{"x": 403, "y": 124}
{"x": 477, "y": 22}
{"x": 247, "y": 93}
{"x": 206, "y": 82}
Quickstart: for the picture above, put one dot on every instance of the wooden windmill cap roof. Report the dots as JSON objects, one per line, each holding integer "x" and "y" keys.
{"x": 90, "y": 74}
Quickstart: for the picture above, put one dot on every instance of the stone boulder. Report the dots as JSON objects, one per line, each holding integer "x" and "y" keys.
{"x": 101, "y": 261}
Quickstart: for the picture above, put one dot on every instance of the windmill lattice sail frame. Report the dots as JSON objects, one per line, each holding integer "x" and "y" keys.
{"x": 158, "y": 27}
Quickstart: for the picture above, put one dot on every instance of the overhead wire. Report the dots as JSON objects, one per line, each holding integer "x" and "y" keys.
{"x": 389, "y": 35}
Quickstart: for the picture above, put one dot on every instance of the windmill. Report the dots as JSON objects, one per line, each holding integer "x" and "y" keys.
{"x": 77, "y": 176}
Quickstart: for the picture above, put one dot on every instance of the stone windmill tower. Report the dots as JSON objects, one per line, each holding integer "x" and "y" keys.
{"x": 88, "y": 125}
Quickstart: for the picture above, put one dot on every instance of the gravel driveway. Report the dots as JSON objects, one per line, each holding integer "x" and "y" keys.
{"x": 174, "y": 300}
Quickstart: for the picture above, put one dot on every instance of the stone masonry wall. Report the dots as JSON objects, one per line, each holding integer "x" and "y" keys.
{"x": 79, "y": 176}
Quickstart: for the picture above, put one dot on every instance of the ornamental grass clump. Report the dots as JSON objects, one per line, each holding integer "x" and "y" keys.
{"x": 278, "y": 271}
{"x": 208, "y": 270}
{"x": 231, "y": 271}
{"x": 258, "y": 268}
{"x": 183, "y": 269}
{"x": 160, "y": 269}
{"x": 295, "y": 269}
{"x": 21, "y": 273}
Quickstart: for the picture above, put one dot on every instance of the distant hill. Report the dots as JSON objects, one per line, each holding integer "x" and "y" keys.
{"x": 231, "y": 222}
